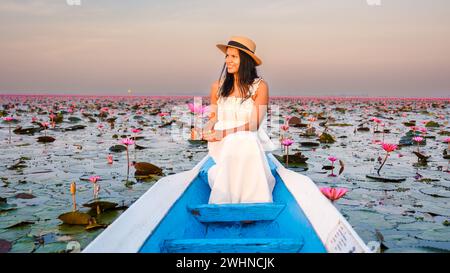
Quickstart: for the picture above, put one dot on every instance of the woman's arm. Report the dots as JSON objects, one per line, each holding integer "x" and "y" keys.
{"x": 213, "y": 107}
{"x": 259, "y": 112}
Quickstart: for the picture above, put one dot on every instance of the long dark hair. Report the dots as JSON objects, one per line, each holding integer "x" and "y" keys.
{"x": 247, "y": 74}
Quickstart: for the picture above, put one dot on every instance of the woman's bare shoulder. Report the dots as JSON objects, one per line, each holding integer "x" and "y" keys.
{"x": 263, "y": 84}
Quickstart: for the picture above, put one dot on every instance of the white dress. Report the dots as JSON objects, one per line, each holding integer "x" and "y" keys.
{"x": 242, "y": 173}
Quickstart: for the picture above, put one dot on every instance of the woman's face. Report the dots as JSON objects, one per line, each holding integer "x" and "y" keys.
{"x": 232, "y": 60}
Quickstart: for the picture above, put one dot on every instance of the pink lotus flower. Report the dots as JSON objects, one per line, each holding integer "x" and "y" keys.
{"x": 163, "y": 114}
{"x": 447, "y": 139}
{"x": 332, "y": 159}
{"x": 33, "y": 119}
{"x": 45, "y": 124}
{"x": 287, "y": 142}
{"x": 417, "y": 139}
{"x": 423, "y": 130}
{"x": 312, "y": 119}
{"x": 197, "y": 109}
{"x": 284, "y": 127}
{"x": 375, "y": 119}
{"x": 333, "y": 193}
{"x": 136, "y": 131}
{"x": 8, "y": 119}
{"x": 389, "y": 147}
{"x": 127, "y": 141}
{"x": 94, "y": 179}
{"x": 404, "y": 115}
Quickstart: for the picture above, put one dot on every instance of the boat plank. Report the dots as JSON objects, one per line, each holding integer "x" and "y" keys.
{"x": 236, "y": 212}
{"x": 273, "y": 245}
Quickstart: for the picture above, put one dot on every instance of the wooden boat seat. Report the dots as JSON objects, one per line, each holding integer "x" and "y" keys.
{"x": 207, "y": 213}
{"x": 258, "y": 245}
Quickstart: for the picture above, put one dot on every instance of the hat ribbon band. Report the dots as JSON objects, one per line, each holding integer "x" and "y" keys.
{"x": 236, "y": 44}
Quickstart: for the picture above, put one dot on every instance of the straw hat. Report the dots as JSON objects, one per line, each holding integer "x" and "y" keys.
{"x": 243, "y": 44}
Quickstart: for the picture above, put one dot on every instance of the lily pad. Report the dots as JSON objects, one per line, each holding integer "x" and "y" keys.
{"x": 340, "y": 124}
{"x": 421, "y": 156}
{"x": 145, "y": 168}
{"x": 24, "y": 195}
{"x": 309, "y": 144}
{"x": 436, "y": 191}
{"x": 27, "y": 131}
{"x": 46, "y": 139}
{"x": 74, "y": 119}
{"x": 438, "y": 234}
{"x": 20, "y": 224}
{"x": 93, "y": 225}
{"x": 74, "y": 127}
{"x": 138, "y": 147}
{"x": 118, "y": 148}
{"x": 101, "y": 205}
{"x": 5, "y": 246}
{"x": 326, "y": 138}
{"x": 395, "y": 179}
{"x": 75, "y": 218}
{"x": 197, "y": 142}
{"x": 432, "y": 124}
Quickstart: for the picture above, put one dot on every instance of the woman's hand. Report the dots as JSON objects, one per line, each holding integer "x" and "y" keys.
{"x": 212, "y": 135}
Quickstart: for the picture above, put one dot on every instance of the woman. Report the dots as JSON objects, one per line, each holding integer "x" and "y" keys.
{"x": 236, "y": 140}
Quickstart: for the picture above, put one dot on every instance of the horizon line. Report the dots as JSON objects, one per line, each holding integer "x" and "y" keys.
{"x": 186, "y": 96}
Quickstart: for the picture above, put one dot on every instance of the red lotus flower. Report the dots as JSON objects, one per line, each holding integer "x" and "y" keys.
{"x": 94, "y": 179}
{"x": 284, "y": 127}
{"x": 110, "y": 159}
{"x": 389, "y": 147}
{"x": 333, "y": 193}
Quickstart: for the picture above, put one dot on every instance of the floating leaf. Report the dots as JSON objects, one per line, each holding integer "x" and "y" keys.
{"x": 20, "y": 224}
{"x": 145, "y": 168}
{"x": 75, "y": 218}
{"x": 118, "y": 148}
{"x": 386, "y": 178}
{"x": 94, "y": 225}
{"x": 46, "y": 139}
{"x": 102, "y": 205}
{"x": 326, "y": 138}
{"x": 341, "y": 163}
{"x": 5, "y": 246}
{"x": 24, "y": 195}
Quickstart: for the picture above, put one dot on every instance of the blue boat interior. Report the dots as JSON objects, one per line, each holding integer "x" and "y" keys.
{"x": 194, "y": 226}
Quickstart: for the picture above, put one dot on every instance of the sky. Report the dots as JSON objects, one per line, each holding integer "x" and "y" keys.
{"x": 309, "y": 47}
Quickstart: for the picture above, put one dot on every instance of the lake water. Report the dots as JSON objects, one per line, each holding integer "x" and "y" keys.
{"x": 409, "y": 216}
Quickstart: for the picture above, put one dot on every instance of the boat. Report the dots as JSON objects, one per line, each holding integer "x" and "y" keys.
{"x": 174, "y": 216}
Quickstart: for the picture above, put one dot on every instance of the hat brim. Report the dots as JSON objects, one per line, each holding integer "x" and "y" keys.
{"x": 223, "y": 48}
